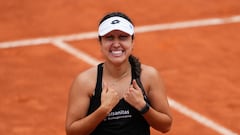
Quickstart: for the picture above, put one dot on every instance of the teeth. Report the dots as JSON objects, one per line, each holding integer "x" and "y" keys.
{"x": 116, "y": 52}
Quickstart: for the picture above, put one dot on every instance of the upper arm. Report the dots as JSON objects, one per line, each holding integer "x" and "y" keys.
{"x": 79, "y": 98}
{"x": 155, "y": 90}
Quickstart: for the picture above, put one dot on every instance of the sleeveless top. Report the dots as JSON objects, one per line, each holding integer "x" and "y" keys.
{"x": 123, "y": 119}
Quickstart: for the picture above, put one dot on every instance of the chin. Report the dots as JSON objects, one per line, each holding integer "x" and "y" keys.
{"x": 117, "y": 61}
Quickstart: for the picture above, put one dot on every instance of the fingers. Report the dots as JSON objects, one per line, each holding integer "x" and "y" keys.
{"x": 134, "y": 95}
{"x": 109, "y": 98}
{"x": 134, "y": 91}
{"x": 135, "y": 85}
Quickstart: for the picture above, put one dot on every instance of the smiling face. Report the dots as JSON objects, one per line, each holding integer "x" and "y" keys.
{"x": 116, "y": 46}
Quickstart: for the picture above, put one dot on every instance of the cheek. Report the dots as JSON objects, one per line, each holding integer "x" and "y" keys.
{"x": 104, "y": 48}
{"x": 130, "y": 47}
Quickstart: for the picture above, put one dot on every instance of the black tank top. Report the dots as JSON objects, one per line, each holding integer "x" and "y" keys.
{"x": 123, "y": 119}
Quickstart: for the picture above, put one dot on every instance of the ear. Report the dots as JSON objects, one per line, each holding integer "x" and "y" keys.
{"x": 132, "y": 48}
{"x": 133, "y": 39}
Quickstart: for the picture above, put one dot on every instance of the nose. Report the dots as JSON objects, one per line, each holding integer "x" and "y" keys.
{"x": 116, "y": 42}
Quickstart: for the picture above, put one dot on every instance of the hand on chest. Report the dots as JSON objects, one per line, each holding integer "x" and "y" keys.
{"x": 121, "y": 86}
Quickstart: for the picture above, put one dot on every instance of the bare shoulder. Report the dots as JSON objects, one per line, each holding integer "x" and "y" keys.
{"x": 87, "y": 75}
{"x": 150, "y": 76}
{"x": 85, "y": 81}
{"x": 149, "y": 71}
{"x": 79, "y": 95}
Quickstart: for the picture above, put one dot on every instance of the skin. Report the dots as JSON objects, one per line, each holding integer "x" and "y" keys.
{"x": 116, "y": 46}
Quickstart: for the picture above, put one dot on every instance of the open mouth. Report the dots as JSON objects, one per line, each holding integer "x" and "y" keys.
{"x": 117, "y": 53}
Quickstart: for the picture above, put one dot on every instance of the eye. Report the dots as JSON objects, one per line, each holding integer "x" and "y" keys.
{"x": 123, "y": 37}
{"x": 110, "y": 37}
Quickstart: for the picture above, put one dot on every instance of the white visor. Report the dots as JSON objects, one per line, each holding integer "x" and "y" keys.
{"x": 115, "y": 23}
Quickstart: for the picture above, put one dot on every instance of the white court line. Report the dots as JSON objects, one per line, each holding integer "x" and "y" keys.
{"x": 174, "y": 104}
{"x": 200, "y": 118}
{"x": 141, "y": 29}
{"x": 76, "y": 52}
{"x": 59, "y": 42}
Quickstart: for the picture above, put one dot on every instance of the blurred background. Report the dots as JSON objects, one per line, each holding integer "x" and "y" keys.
{"x": 199, "y": 65}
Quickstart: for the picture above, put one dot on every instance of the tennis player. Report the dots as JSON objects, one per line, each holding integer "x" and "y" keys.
{"x": 120, "y": 96}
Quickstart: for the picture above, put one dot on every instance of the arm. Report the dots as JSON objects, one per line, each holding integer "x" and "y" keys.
{"x": 77, "y": 121}
{"x": 158, "y": 116}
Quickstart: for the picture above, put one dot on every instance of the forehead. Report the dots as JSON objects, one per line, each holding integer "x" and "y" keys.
{"x": 117, "y": 32}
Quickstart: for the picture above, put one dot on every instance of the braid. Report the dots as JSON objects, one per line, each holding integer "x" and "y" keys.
{"x": 136, "y": 65}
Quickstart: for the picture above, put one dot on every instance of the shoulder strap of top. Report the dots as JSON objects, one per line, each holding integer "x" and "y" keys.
{"x": 143, "y": 90}
{"x": 98, "y": 88}
{"x": 138, "y": 80}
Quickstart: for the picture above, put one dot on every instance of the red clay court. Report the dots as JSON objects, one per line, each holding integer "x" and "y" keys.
{"x": 193, "y": 43}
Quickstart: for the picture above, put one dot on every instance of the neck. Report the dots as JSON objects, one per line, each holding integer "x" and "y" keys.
{"x": 117, "y": 71}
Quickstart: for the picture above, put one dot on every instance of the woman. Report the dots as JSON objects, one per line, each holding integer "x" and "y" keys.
{"x": 119, "y": 96}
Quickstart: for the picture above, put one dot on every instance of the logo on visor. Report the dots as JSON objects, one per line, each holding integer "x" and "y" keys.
{"x": 115, "y": 21}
